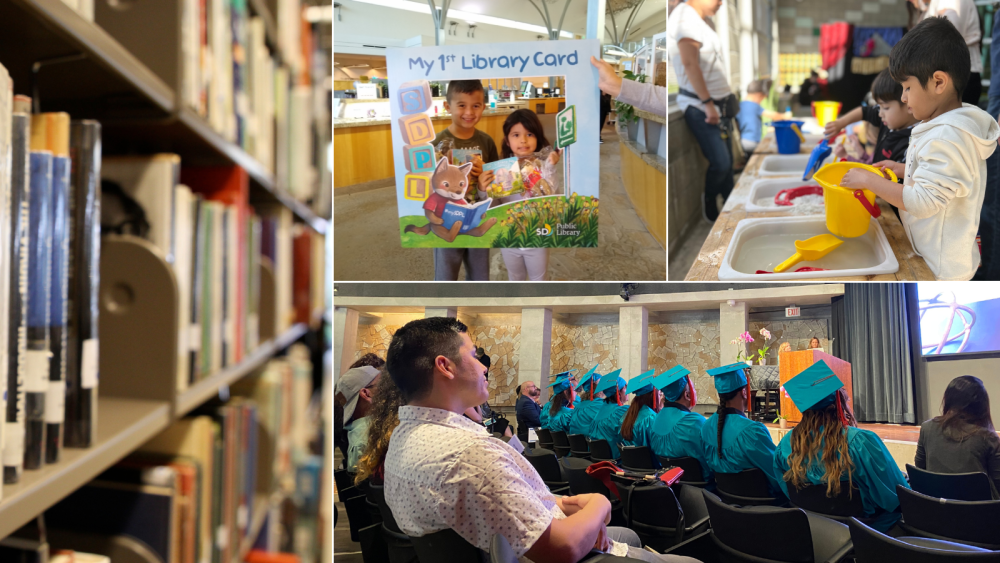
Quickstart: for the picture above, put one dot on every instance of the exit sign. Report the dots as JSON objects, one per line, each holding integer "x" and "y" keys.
{"x": 793, "y": 311}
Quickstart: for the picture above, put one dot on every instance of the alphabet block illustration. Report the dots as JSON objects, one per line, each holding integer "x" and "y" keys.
{"x": 418, "y": 186}
{"x": 417, "y": 129}
{"x": 414, "y": 97}
{"x": 418, "y": 158}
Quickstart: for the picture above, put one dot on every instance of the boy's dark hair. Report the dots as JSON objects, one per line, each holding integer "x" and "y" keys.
{"x": 410, "y": 358}
{"x": 934, "y": 44}
{"x": 885, "y": 89}
{"x": 464, "y": 87}
{"x": 529, "y": 120}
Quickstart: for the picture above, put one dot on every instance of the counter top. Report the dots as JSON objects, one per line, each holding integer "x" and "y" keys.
{"x": 340, "y": 123}
{"x": 651, "y": 116}
{"x": 706, "y": 267}
{"x": 654, "y": 160}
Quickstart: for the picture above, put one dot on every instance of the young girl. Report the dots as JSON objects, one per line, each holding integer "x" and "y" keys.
{"x": 522, "y": 137}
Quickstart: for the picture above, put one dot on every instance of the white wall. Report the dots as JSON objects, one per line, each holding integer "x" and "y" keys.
{"x": 937, "y": 375}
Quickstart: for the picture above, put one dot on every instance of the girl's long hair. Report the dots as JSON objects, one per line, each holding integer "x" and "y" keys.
{"x": 384, "y": 415}
{"x": 822, "y": 429}
{"x": 723, "y": 399}
{"x": 648, "y": 400}
{"x": 559, "y": 401}
{"x": 530, "y": 121}
{"x": 965, "y": 409}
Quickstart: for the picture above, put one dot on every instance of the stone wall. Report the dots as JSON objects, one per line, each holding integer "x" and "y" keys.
{"x": 695, "y": 345}
{"x": 374, "y": 338}
{"x": 795, "y": 332}
{"x": 501, "y": 344}
{"x": 579, "y": 347}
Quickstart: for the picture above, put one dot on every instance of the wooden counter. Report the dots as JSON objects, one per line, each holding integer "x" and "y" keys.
{"x": 706, "y": 267}
{"x": 645, "y": 180}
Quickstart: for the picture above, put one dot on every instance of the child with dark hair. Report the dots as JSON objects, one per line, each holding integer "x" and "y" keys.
{"x": 466, "y": 100}
{"x": 944, "y": 178}
{"x": 523, "y": 136}
{"x": 890, "y": 115}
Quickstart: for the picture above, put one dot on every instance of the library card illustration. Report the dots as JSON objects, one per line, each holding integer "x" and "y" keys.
{"x": 496, "y": 145}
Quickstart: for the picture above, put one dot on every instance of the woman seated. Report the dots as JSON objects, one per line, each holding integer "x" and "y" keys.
{"x": 734, "y": 443}
{"x": 543, "y": 416}
{"x": 608, "y": 423}
{"x": 638, "y": 420}
{"x": 826, "y": 448}
{"x": 561, "y": 410}
{"x": 962, "y": 439}
{"x": 586, "y": 410}
{"x": 676, "y": 432}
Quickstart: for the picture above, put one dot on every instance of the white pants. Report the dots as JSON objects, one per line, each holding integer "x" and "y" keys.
{"x": 524, "y": 263}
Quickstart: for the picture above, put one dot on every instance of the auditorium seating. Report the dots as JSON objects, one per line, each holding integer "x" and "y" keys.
{"x": 970, "y": 522}
{"x": 691, "y": 466}
{"x": 547, "y": 465}
{"x": 560, "y": 443}
{"x": 544, "y": 438}
{"x": 600, "y": 451}
{"x": 871, "y": 546}
{"x": 956, "y": 486}
{"x": 812, "y": 498}
{"x": 746, "y": 488}
{"x": 580, "y": 483}
{"x": 663, "y": 519}
{"x": 579, "y": 447}
{"x": 446, "y": 546}
{"x": 762, "y": 534}
{"x": 400, "y": 548}
{"x": 637, "y": 458}
{"x": 355, "y": 503}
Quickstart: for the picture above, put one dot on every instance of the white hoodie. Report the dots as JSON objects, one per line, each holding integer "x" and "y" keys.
{"x": 944, "y": 187}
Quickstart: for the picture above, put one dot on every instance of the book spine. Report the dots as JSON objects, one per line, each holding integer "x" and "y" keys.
{"x": 55, "y": 400}
{"x": 224, "y": 296}
{"x": 6, "y": 160}
{"x": 80, "y": 426}
{"x": 36, "y": 376}
{"x": 197, "y": 287}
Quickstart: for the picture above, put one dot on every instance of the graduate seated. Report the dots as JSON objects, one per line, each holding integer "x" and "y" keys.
{"x": 641, "y": 413}
{"x": 676, "y": 431}
{"x": 543, "y": 417}
{"x": 591, "y": 401}
{"x": 561, "y": 406}
{"x": 826, "y": 448}
{"x": 608, "y": 423}
{"x": 732, "y": 441}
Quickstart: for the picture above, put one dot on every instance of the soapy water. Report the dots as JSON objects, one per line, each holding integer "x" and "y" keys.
{"x": 812, "y": 201}
{"x": 767, "y": 251}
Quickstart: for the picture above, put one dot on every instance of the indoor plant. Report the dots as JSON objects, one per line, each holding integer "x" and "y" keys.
{"x": 762, "y": 351}
{"x": 781, "y": 421}
{"x": 742, "y": 340}
{"x": 627, "y": 118}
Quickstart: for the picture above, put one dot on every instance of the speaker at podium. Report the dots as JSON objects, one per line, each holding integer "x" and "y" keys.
{"x": 791, "y": 364}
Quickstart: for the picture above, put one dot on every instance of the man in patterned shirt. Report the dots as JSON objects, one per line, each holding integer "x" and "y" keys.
{"x": 443, "y": 471}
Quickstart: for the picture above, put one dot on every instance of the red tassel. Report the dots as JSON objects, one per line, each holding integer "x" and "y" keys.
{"x": 618, "y": 397}
{"x": 840, "y": 411}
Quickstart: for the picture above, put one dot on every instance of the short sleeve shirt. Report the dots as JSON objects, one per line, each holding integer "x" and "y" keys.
{"x": 479, "y": 140}
{"x": 749, "y": 119}
{"x": 436, "y": 203}
{"x": 685, "y": 23}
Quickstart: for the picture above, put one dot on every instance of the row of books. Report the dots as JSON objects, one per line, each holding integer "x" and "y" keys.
{"x": 49, "y": 279}
{"x": 194, "y": 493}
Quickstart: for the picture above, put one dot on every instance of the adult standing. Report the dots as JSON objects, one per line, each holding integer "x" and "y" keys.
{"x": 527, "y": 410}
{"x": 964, "y": 15}
{"x": 696, "y": 52}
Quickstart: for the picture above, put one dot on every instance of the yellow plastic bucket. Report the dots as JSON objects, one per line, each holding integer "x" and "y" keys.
{"x": 825, "y": 112}
{"x": 848, "y": 211}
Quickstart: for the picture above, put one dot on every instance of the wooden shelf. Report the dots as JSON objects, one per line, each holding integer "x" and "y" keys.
{"x": 123, "y": 426}
{"x": 138, "y": 111}
{"x": 209, "y": 387}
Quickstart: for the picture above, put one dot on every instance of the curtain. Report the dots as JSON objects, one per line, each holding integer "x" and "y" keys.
{"x": 873, "y": 320}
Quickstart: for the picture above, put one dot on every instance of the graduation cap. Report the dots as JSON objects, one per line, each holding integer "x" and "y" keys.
{"x": 729, "y": 378}
{"x": 610, "y": 381}
{"x": 641, "y": 384}
{"x": 561, "y": 383}
{"x": 814, "y": 387}
{"x": 672, "y": 382}
{"x": 587, "y": 377}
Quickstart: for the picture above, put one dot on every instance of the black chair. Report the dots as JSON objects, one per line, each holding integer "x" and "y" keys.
{"x": 970, "y": 522}
{"x": 766, "y": 534}
{"x": 637, "y": 458}
{"x": 547, "y": 465}
{"x": 344, "y": 481}
{"x": 560, "y": 443}
{"x": 358, "y": 515}
{"x": 578, "y": 445}
{"x": 955, "y": 486}
{"x": 692, "y": 469}
{"x": 871, "y": 546}
{"x": 746, "y": 488}
{"x": 544, "y": 439}
{"x": 400, "y": 548}
{"x": 600, "y": 451}
{"x": 580, "y": 483}
{"x": 843, "y": 507}
{"x": 370, "y": 503}
{"x": 661, "y": 520}
{"x": 447, "y": 546}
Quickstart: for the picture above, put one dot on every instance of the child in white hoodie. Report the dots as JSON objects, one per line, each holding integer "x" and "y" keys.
{"x": 944, "y": 177}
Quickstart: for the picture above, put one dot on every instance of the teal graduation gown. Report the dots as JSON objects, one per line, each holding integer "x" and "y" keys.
{"x": 642, "y": 428}
{"x": 583, "y": 416}
{"x": 608, "y": 425}
{"x": 562, "y": 419}
{"x": 543, "y": 417}
{"x": 676, "y": 432}
{"x": 875, "y": 474}
{"x": 746, "y": 444}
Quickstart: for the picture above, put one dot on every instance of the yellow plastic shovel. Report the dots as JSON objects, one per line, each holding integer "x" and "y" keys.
{"x": 798, "y": 132}
{"x": 810, "y": 250}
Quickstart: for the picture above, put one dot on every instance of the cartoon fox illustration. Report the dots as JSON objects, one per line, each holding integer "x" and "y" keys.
{"x": 450, "y": 184}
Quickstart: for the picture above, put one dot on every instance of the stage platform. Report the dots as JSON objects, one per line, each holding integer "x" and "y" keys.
{"x": 899, "y": 439}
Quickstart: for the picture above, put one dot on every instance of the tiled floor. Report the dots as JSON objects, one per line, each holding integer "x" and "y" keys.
{"x": 366, "y": 250}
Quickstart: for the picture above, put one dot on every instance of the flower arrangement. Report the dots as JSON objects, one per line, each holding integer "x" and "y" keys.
{"x": 762, "y": 352}
{"x": 742, "y": 340}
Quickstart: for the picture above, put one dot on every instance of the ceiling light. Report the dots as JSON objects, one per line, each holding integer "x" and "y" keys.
{"x": 469, "y": 17}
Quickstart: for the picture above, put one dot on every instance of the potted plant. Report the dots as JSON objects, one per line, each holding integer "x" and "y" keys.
{"x": 627, "y": 119}
{"x": 782, "y": 422}
{"x": 435, "y": 89}
{"x": 741, "y": 354}
{"x": 762, "y": 351}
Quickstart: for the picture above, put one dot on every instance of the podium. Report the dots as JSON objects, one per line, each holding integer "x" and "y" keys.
{"x": 791, "y": 364}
